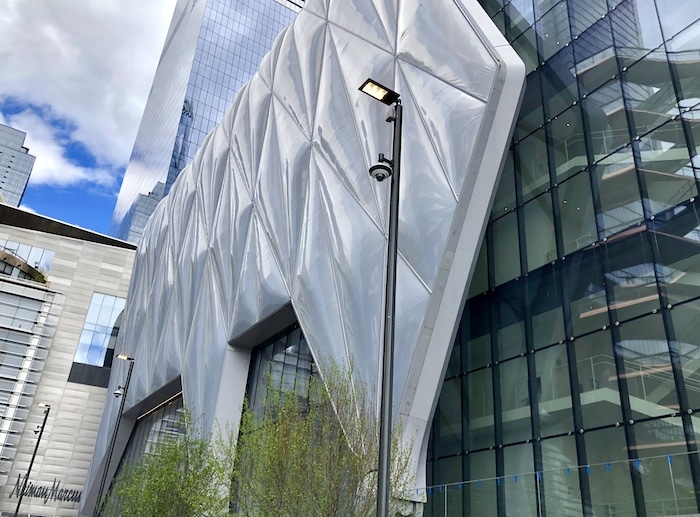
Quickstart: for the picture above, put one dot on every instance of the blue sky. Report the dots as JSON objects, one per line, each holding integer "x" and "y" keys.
{"x": 75, "y": 77}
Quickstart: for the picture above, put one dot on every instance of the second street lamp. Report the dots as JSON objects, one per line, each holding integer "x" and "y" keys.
{"x": 40, "y": 430}
{"x": 385, "y": 168}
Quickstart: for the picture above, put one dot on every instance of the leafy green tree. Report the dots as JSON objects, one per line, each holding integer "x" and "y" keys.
{"x": 314, "y": 454}
{"x": 182, "y": 476}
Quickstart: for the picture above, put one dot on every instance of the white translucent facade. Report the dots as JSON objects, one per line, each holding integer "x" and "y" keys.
{"x": 278, "y": 207}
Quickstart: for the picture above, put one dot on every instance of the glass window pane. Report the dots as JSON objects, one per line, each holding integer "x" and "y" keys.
{"x": 510, "y": 324}
{"x": 479, "y": 396}
{"x": 665, "y": 167}
{"x": 482, "y": 489}
{"x": 605, "y": 114}
{"x": 576, "y": 213}
{"x": 667, "y": 481}
{"x": 559, "y": 83}
{"x": 610, "y": 488}
{"x": 597, "y": 380}
{"x": 650, "y": 381}
{"x": 568, "y": 143}
{"x": 448, "y": 419}
{"x": 636, "y": 29}
{"x": 554, "y": 391}
{"x": 621, "y": 204}
{"x": 562, "y": 491}
{"x": 553, "y": 30}
{"x": 475, "y": 332}
{"x": 544, "y": 302}
{"x": 686, "y": 327}
{"x": 526, "y": 47}
{"x": 585, "y": 13}
{"x": 594, "y": 54}
{"x": 676, "y": 15}
{"x": 534, "y": 168}
{"x": 650, "y": 95}
{"x": 531, "y": 116}
{"x": 505, "y": 195}
{"x": 515, "y": 401}
{"x": 506, "y": 261}
{"x": 518, "y": 480}
{"x": 686, "y": 68}
{"x": 676, "y": 246}
{"x": 583, "y": 277}
{"x": 520, "y": 16}
{"x": 541, "y": 245}
{"x": 630, "y": 276}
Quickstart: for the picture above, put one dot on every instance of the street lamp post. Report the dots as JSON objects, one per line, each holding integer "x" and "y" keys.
{"x": 385, "y": 168}
{"x": 47, "y": 408}
{"x": 119, "y": 392}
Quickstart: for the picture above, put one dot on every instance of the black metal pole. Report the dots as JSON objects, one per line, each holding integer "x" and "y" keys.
{"x": 31, "y": 463}
{"x": 99, "y": 503}
{"x": 383, "y": 483}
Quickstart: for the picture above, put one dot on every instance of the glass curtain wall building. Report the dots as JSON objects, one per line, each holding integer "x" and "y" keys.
{"x": 212, "y": 48}
{"x": 16, "y": 165}
{"x": 574, "y": 382}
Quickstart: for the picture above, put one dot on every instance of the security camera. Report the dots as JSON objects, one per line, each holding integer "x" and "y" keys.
{"x": 119, "y": 392}
{"x": 380, "y": 172}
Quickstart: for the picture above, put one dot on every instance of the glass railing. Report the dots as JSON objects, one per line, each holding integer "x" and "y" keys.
{"x": 666, "y": 484}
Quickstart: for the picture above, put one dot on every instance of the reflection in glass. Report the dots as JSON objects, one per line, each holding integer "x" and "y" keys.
{"x": 534, "y": 168}
{"x": 577, "y": 214}
{"x": 510, "y": 311}
{"x": 100, "y": 325}
{"x": 479, "y": 396}
{"x": 553, "y": 391}
{"x": 648, "y": 373}
{"x": 597, "y": 380}
{"x": 541, "y": 245}
{"x": 561, "y": 483}
{"x": 568, "y": 143}
{"x": 521, "y": 498}
{"x": 544, "y": 305}
{"x": 686, "y": 328}
{"x": 506, "y": 261}
{"x": 583, "y": 277}
{"x": 515, "y": 401}
{"x": 611, "y": 486}
{"x": 448, "y": 418}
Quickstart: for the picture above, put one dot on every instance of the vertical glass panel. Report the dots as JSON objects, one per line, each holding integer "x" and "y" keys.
{"x": 448, "y": 439}
{"x": 510, "y": 325}
{"x": 562, "y": 493}
{"x": 553, "y": 391}
{"x": 553, "y": 30}
{"x": 559, "y": 83}
{"x": 479, "y": 397}
{"x": 526, "y": 47}
{"x": 664, "y": 468}
{"x": 520, "y": 17}
{"x": 650, "y": 96}
{"x": 531, "y": 115}
{"x": 491, "y": 6}
{"x": 475, "y": 333}
{"x": 585, "y": 13}
{"x": 542, "y": 6}
{"x": 594, "y": 54}
{"x": 650, "y": 381}
{"x": 583, "y": 278}
{"x": 443, "y": 500}
{"x": 515, "y": 401}
{"x": 506, "y": 260}
{"x": 676, "y": 15}
{"x": 686, "y": 68}
{"x": 610, "y": 487}
{"x": 630, "y": 276}
{"x": 521, "y": 497}
{"x": 576, "y": 213}
{"x": 541, "y": 245}
{"x": 534, "y": 168}
{"x": 686, "y": 327}
{"x": 505, "y": 195}
{"x": 605, "y": 114}
{"x": 544, "y": 302}
{"x": 620, "y": 201}
{"x": 636, "y": 29}
{"x": 691, "y": 121}
{"x": 568, "y": 143}
{"x": 482, "y": 493}
{"x": 665, "y": 167}
{"x": 454, "y": 366}
{"x": 597, "y": 380}
{"x": 676, "y": 244}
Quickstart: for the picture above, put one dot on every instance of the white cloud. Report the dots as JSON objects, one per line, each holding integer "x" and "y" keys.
{"x": 89, "y": 62}
{"x": 47, "y": 142}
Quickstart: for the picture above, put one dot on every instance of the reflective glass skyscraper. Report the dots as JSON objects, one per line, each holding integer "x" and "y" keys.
{"x": 574, "y": 383}
{"x": 212, "y": 48}
{"x": 15, "y": 165}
